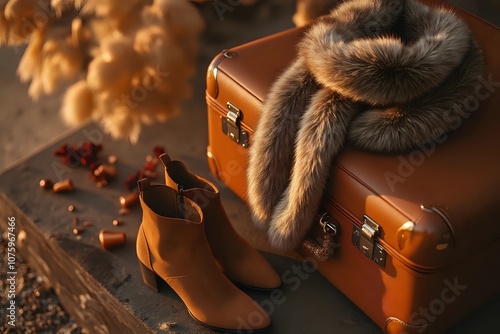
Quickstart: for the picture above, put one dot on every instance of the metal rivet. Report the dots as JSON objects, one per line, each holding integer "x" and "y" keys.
{"x": 230, "y": 54}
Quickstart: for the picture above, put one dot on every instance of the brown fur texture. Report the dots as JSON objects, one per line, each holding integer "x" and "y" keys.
{"x": 385, "y": 75}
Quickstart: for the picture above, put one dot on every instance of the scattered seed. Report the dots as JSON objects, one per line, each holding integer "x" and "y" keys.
{"x": 123, "y": 211}
{"x": 87, "y": 223}
{"x": 101, "y": 183}
{"x": 71, "y": 208}
{"x": 112, "y": 159}
{"x": 63, "y": 186}
{"x": 126, "y": 201}
{"x": 78, "y": 230}
{"x": 46, "y": 184}
{"x": 116, "y": 222}
{"x": 105, "y": 171}
{"x": 110, "y": 239}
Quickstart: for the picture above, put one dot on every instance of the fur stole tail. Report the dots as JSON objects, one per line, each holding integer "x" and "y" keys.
{"x": 271, "y": 153}
{"x": 321, "y": 134}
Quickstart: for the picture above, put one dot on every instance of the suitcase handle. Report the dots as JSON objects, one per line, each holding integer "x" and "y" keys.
{"x": 324, "y": 250}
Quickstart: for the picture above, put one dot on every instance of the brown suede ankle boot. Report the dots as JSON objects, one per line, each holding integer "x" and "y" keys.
{"x": 242, "y": 263}
{"x": 172, "y": 248}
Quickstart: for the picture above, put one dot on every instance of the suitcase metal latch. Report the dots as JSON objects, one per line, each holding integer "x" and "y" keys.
{"x": 231, "y": 125}
{"x": 364, "y": 239}
{"x": 329, "y": 224}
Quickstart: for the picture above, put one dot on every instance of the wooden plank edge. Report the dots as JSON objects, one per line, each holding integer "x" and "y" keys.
{"x": 92, "y": 306}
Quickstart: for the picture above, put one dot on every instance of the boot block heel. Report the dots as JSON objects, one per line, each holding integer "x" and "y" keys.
{"x": 152, "y": 280}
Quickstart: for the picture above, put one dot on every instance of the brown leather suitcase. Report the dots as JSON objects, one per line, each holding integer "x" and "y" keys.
{"x": 416, "y": 235}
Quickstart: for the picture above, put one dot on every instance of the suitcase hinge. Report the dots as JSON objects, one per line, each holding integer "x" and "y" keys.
{"x": 231, "y": 125}
{"x": 364, "y": 239}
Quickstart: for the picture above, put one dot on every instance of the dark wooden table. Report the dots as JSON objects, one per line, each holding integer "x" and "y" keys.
{"x": 103, "y": 290}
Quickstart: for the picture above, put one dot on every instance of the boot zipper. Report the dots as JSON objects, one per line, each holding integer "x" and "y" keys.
{"x": 181, "y": 200}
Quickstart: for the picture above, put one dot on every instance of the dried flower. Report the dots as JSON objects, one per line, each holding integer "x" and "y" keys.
{"x": 148, "y": 171}
{"x": 137, "y": 56}
{"x": 83, "y": 155}
{"x": 78, "y": 103}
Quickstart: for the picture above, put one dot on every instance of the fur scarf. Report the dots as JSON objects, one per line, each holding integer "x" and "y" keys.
{"x": 383, "y": 75}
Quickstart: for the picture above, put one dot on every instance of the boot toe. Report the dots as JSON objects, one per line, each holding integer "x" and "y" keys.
{"x": 240, "y": 316}
{"x": 254, "y": 272}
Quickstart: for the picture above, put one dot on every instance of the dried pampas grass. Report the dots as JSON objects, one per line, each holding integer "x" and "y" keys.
{"x": 111, "y": 71}
{"x": 130, "y": 61}
{"x": 78, "y": 103}
{"x": 4, "y": 25}
{"x": 52, "y": 56}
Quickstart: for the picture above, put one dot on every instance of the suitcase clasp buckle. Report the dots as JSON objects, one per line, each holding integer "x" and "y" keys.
{"x": 231, "y": 125}
{"x": 364, "y": 239}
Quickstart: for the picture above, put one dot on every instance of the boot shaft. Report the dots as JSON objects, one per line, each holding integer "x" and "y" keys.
{"x": 241, "y": 262}
{"x": 170, "y": 222}
{"x": 198, "y": 189}
{"x": 161, "y": 204}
